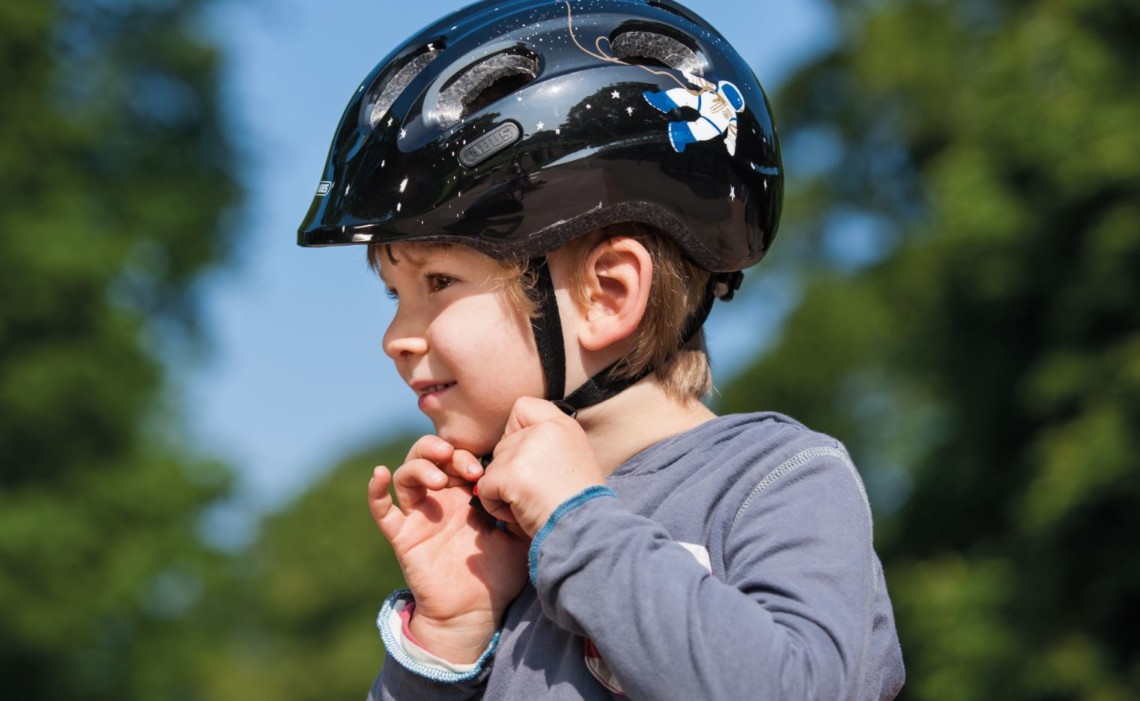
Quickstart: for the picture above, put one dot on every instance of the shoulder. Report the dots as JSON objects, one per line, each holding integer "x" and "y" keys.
{"x": 792, "y": 473}
{"x": 773, "y": 458}
{"x": 768, "y": 438}
{"x": 741, "y": 456}
{"x": 732, "y": 445}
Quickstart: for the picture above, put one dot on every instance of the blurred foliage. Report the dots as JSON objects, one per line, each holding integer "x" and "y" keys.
{"x": 304, "y": 625}
{"x": 982, "y": 358}
{"x": 116, "y": 179}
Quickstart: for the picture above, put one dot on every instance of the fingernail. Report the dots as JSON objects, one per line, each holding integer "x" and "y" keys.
{"x": 472, "y": 469}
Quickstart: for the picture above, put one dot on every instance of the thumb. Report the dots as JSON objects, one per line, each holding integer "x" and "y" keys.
{"x": 529, "y": 411}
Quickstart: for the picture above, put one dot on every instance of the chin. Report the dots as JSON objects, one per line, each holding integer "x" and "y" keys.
{"x": 475, "y": 441}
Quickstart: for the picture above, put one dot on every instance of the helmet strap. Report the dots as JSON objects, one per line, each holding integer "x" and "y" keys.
{"x": 547, "y": 328}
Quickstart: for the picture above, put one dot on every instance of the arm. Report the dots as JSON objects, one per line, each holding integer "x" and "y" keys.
{"x": 792, "y": 618}
{"x": 462, "y": 570}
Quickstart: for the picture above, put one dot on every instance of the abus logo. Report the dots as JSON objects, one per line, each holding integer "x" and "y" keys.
{"x": 489, "y": 144}
{"x": 323, "y": 188}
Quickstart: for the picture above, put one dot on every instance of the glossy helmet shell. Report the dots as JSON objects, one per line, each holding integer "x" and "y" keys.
{"x": 513, "y": 127}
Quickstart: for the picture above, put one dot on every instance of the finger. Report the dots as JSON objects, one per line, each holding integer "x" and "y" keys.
{"x": 488, "y": 493}
{"x": 414, "y": 478}
{"x": 386, "y": 514}
{"x": 528, "y": 411}
{"x": 431, "y": 448}
{"x": 500, "y": 511}
{"x": 464, "y": 464}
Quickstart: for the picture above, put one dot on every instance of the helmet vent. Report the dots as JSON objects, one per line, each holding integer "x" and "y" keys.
{"x": 644, "y": 48}
{"x": 483, "y": 83}
{"x": 390, "y": 87}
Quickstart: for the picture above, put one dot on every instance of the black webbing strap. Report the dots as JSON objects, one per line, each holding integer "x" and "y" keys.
{"x": 598, "y": 389}
{"x": 547, "y": 327}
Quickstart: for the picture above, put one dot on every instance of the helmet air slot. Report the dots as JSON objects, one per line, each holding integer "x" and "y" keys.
{"x": 484, "y": 83}
{"x": 393, "y": 83}
{"x": 649, "y": 48}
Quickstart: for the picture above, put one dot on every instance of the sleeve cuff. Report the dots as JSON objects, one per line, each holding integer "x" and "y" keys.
{"x": 566, "y": 507}
{"x": 415, "y": 658}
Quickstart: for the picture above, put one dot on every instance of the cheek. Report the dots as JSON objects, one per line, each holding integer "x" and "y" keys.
{"x": 495, "y": 348}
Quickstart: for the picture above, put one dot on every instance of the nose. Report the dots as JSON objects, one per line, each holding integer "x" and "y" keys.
{"x": 405, "y": 337}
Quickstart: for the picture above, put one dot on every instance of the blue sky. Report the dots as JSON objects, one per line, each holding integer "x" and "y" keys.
{"x": 296, "y": 377}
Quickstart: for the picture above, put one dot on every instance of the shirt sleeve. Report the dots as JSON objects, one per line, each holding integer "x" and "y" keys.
{"x": 791, "y": 616}
{"x": 412, "y": 672}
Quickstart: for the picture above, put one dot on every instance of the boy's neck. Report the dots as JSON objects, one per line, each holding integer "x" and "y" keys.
{"x": 630, "y": 422}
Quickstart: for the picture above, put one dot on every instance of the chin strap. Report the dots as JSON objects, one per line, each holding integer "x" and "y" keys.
{"x": 547, "y": 327}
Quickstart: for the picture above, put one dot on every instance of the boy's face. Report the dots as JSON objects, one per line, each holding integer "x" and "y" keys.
{"x": 465, "y": 350}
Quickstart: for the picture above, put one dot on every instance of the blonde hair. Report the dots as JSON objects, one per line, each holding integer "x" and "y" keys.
{"x": 677, "y": 290}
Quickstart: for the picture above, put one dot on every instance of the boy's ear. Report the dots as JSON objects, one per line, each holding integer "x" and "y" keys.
{"x": 617, "y": 278}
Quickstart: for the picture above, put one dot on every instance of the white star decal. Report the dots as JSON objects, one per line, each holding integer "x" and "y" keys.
{"x": 615, "y": 94}
{"x": 403, "y": 133}
{"x": 732, "y": 193}
{"x": 629, "y": 111}
{"x": 389, "y": 121}
{"x": 541, "y": 126}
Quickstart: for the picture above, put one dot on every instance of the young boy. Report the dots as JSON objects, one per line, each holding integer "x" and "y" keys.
{"x": 555, "y": 193}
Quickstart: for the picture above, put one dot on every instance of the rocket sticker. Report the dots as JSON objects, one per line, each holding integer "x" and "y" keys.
{"x": 717, "y": 105}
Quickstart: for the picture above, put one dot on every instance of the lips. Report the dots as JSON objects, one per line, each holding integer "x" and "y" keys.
{"x": 425, "y": 390}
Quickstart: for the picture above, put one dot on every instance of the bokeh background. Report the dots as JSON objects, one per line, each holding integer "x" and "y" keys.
{"x": 190, "y": 406}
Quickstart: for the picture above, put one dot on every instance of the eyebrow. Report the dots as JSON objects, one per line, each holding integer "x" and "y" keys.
{"x": 415, "y": 262}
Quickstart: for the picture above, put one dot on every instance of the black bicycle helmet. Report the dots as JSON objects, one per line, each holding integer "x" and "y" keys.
{"x": 514, "y": 127}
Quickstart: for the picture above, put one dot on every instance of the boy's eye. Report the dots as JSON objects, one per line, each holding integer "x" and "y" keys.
{"x": 437, "y": 282}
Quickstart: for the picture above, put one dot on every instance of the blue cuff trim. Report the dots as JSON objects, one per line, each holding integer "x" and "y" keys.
{"x": 566, "y": 507}
{"x": 396, "y": 650}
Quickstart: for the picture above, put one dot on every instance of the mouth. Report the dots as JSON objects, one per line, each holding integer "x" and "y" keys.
{"x": 425, "y": 390}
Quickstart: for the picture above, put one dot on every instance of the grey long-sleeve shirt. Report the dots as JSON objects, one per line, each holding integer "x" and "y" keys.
{"x": 733, "y": 561}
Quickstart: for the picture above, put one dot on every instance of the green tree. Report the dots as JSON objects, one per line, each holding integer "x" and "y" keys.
{"x": 984, "y": 365}
{"x": 116, "y": 178}
{"x": 304, "y": 625}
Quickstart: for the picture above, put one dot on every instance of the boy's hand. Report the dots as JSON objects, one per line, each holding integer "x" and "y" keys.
{"x": 543, "y": 459}
{"x": 462, "y": 570}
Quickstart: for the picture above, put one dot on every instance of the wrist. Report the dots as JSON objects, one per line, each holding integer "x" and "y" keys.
{"x": 460, "y": 640}
{"x": 410, "y": 655}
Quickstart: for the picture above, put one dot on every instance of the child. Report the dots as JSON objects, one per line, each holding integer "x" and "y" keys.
{"x": 516, "y": 171}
